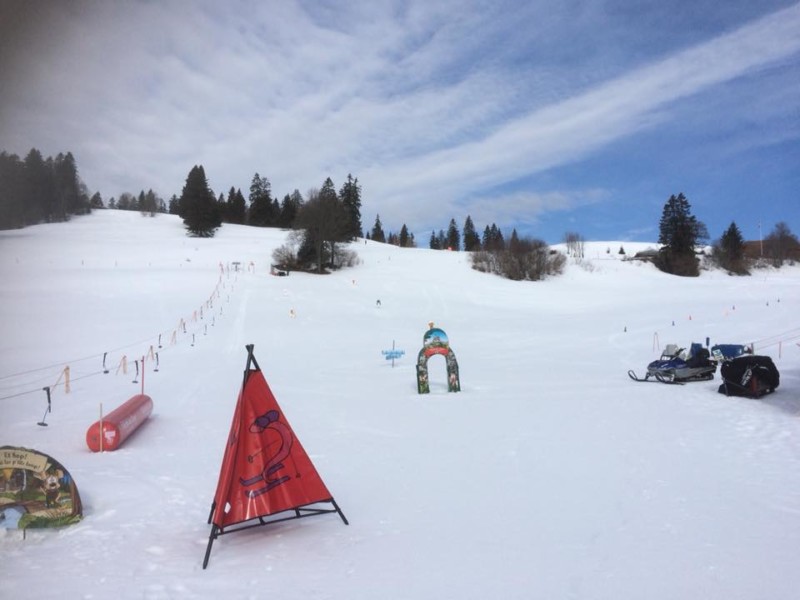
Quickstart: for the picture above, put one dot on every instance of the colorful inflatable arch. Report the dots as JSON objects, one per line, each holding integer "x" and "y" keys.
{"x": 35, "y": 491}
{"x": 435, "y": 342}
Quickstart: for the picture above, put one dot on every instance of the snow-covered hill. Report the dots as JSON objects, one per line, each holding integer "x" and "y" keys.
{"x": 551, "y": 475}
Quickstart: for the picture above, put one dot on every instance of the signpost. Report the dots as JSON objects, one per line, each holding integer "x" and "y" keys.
{"x": 393, "y": 353}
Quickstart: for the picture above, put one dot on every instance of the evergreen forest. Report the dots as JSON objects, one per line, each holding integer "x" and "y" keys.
{"x": 35, "y": 189}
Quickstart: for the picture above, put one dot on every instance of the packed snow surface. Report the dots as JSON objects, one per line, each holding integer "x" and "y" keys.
{"x": 550, "y": 475}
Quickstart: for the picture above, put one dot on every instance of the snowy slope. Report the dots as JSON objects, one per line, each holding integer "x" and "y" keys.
{"x": 551, "y": 475}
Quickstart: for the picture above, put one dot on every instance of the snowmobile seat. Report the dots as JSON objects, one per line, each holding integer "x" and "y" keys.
{"x": 700, "y": 357}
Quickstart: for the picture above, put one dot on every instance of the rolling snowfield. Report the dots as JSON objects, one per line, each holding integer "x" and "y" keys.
{"x": 551, "y": 475}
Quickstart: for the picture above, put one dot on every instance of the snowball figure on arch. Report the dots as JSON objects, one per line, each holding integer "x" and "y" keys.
{"x": 435, "y": 341}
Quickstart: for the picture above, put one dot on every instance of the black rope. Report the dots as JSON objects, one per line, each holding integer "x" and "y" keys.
{"x": 20, "y": 394}
{"x": 77, "y": 360}
{"x": 38, "y": 389}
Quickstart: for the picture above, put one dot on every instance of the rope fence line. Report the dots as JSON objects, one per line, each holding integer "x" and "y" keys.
{"x": 151, "y": 355}
{"x": 786, "y": 336}
{"x": 779, "y": 339}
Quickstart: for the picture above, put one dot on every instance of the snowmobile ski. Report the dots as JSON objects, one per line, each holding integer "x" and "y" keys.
{"x": 657, "y": 378}
{"x": 667, "y": 378}
{"x": 635, "y": 377}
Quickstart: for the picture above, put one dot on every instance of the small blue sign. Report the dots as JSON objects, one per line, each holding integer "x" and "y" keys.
{"x": 393, "y": 353}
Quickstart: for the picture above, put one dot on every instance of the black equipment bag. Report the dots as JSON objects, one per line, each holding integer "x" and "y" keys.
{"x": 750, "y": 376}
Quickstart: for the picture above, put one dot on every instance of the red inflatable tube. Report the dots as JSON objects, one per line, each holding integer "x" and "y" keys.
{"x": 119, "y": 424}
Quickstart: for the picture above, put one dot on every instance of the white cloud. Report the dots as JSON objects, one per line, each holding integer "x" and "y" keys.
{"x": 433, "y": 106}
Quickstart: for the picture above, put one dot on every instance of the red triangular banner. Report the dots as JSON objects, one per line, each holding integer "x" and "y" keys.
{"x": 265, "y": 469}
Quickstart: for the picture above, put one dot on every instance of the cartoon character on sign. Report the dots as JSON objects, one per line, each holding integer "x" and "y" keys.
{"x": 266, "y": 426}
{"x": 52, "y": 490}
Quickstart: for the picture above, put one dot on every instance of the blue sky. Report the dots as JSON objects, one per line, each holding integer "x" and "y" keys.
{"x": 549, "y": 116}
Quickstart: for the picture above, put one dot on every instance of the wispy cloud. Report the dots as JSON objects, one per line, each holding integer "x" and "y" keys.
{"x": 439, "y": 108}
{"x": 568, "y": 130}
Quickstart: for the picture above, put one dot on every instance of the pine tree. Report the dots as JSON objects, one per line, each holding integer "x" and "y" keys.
{"x": 679, "y": 232}
{"x": 328, "y": 191}
{"x": 275, "y": 213}
{"x": 377, "y": 231}
{"x": 403, "y": 240}
{"x": 39, "y": 189}
{"x": 338, "y": 225}
{"x": 441, "y": 240}
{"x": 260, "y": 211}
{"x": 222, "y": 208}
{"x": 499, "y": 240}
{"x": 487, "y": 238}
{"x": 729, "y": 251}
{"x": 514, "y": 244}
{"x": 198, "y": 205}
{"x": 433, "y": 244}
{"x": 70, "y": 200}
{"x": 12, "y": 192}
{"x": 471, "y": 239}
{"x": 148, "y": 203}
{"x": 453, "y": 236}
{"x": 289, "y": 206}
{"x": 493, "y": 239}
{"x": 732, "y": 242}
{"x": 350, "y": 196}
{"x": 236, "y": 209}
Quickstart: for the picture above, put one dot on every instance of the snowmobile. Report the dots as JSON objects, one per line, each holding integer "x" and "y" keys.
{"x": 676, "y": 366}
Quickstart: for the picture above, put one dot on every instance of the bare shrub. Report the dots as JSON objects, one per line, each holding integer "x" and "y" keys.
{"x": 484, "y": 261}
{"x": 523, "y": 260}
{"x": 575, "y": 244}
{"x": 286, "y": 256}
{"x": 345, "y": 257}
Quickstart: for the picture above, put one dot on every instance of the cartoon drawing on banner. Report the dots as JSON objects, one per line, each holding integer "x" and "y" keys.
{"x": 36, "y": 491}
{"x": 266, "y": 427}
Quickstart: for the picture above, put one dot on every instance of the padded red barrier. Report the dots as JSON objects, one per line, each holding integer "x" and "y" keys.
{"x": 119, "y": 424}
